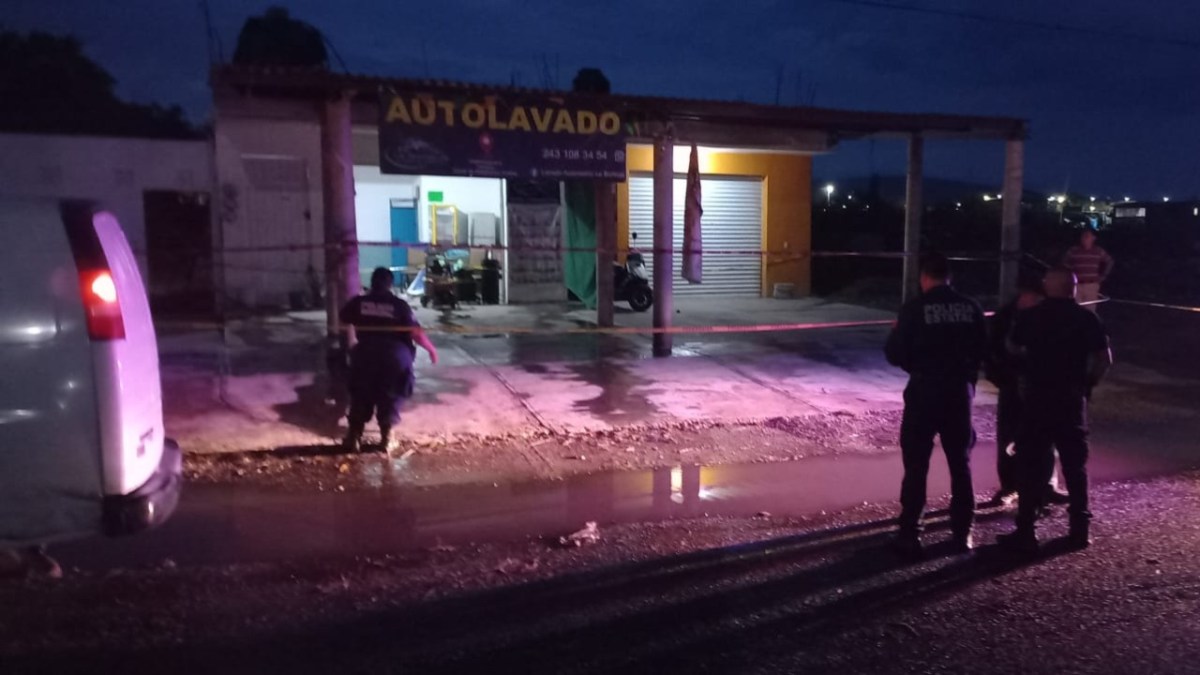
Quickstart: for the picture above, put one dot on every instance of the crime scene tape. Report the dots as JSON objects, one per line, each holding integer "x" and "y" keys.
{"x": 1157, "y": 305}
{"x": 453, "y": 329}
{"x": 576, "y": 330}
{"x": 638, "y": 330}
{"x": 778, "y": 253}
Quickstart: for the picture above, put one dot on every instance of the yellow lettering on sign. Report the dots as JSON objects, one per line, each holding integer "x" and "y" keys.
{"x": 447, "y": 108}
{"x": 494, "y": 123}
{"x": 398, "y": 111}
{"x": 564, "y": 122}
{"x": 586, "y": 122}
{"x": 518, "y": 119}
{"x": 610, "y": 123}
{"x": 541, "y": 118}
{"x": 473, "y": 115}
{"x": 423, "y": 110}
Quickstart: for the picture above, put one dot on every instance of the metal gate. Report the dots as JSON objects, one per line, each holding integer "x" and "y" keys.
{"x": 732, "y": 222}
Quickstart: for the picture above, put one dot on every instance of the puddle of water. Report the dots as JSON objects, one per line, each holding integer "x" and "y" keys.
{"x": 232, "y": 524}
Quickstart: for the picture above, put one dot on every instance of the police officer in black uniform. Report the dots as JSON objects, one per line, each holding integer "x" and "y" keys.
{"x": 1001, "y": 369}
{"x": 1064, "y": 353}
{"x": 939, "y": 340}
{"x": 381, "y": 364}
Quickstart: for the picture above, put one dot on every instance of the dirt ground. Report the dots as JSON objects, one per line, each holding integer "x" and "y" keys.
{"x": 770, "y": 594}
{"x": 543, "y": 455}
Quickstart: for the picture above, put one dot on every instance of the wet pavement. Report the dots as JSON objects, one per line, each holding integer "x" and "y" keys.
{"x": 220, "y": 524}
{"x": 1144, "y": 424}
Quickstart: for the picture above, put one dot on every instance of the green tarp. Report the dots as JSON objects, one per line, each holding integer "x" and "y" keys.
{"x": 579, "y": 221}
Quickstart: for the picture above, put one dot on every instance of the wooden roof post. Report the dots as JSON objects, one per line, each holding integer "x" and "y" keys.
{"x": 606, "y": 245}
{"x": 1010, "y": 218}
{"x": 664, "y": 224}
{"x": 342, "y": 279}
{"x": 912, "y": 217}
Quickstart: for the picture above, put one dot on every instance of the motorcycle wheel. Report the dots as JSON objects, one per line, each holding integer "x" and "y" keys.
{"x": 641, "y": 299}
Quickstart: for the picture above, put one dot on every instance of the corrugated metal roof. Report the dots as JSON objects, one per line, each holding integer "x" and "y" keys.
{"x": 309, "y": 81}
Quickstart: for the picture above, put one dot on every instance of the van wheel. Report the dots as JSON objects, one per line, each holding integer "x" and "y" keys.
{"x": 641, "y": 299}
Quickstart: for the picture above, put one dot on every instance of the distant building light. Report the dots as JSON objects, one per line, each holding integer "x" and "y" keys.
{"x": 958, "y": 205}
{"x": 987, "y": 198}
{"x": 1092, "y": 198}
{"x": 1091, "y": 208}
{"x": 999, "y": 196}
{"x": 1196, "y": 210}
{"x": 1166, "y": 198}
{"x": 1128, "y": 199}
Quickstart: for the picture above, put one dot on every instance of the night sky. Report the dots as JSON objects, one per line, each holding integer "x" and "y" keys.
{"x": 1110, "y": 115}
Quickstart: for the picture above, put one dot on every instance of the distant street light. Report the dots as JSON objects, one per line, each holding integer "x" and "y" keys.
{"x": 828, "y": 194}
{"x": 1093, "y": 199}
{"x": 987, "y": 197}
{"x": 1128, "y": 199}
{"x": 1166, "y": 198}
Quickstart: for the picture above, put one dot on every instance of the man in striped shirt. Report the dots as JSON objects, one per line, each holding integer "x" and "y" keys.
{"x": 1091, "y": 265}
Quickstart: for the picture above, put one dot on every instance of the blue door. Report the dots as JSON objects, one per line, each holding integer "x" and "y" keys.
{"x": 404, "y": 230}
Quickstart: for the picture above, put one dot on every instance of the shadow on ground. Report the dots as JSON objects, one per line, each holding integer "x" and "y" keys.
{"x": 718, "y": 610}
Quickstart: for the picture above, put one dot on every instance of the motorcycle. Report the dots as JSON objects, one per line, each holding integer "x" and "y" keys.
{"x": 631, "y": 283}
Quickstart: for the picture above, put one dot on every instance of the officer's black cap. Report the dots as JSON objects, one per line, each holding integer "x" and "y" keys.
{"x": 382, "y": 277}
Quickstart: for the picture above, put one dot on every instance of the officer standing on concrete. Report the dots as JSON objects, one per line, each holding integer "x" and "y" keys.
{"x": 381, "y": 364}
{"x": 1064, "y": 353}
{"x": 940, "y": 340}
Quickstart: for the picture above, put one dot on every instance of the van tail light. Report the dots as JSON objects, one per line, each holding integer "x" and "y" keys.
{"x": 97, "y": 287}
{"x": 102, "y": 306}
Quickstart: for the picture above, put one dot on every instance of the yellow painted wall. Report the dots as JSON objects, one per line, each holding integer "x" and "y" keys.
{"x": 787, "y": 204}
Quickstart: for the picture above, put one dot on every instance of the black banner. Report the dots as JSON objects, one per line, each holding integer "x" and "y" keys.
{"x": 499, "y": 136}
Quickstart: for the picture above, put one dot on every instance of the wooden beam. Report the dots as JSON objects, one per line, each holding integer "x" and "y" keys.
{"x": 342, "y": 280}
{"x": 1010, "y": 218}
{"x": 664, "y": 259}
{"x": 913, "y": 208}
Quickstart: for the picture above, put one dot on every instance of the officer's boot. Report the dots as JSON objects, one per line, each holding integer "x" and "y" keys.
{"x": 963, "y": 542}
{"x": 1079, "y": 534}
{"x": 386, "y": 440}
{"x": 1022, "y": 541}
{"x": 907, "y": 544}
{"x": 353, "y": 440}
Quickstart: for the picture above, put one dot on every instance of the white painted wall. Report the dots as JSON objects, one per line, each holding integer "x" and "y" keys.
{"x": 373, "y": 193}
{"x": 248, "y": 128}
{"x": 113, "y": 171}
{"x": 252, "y": 216}
{"x": 470, "y": 195}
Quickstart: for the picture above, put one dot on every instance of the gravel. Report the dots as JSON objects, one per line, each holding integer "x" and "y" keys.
{"x": 815, "y": 594}
{"x": 541, "y": 454}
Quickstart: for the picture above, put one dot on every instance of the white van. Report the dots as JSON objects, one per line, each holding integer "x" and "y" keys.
{"x": 81, "y": 429}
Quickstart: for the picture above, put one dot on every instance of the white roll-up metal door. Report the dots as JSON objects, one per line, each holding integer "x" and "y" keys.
{"x": 732, "y": 222}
